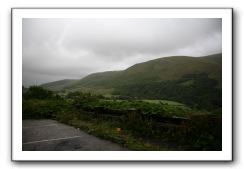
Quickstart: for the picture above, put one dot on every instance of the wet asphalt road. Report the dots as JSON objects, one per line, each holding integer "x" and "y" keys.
{"x": 50, "y": 135}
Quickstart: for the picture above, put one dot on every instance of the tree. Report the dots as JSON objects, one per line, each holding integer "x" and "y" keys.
{"x": 37, "y": 92}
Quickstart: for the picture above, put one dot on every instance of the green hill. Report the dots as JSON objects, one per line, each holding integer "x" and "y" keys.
{"x": 97, "y": 80}
{"x": 195, "y": 81}
{"x": 58, "y": 85}
{"x": 162, "y": 69}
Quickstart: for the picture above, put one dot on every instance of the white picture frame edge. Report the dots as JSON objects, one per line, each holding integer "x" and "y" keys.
{"x": 227, "y": 91}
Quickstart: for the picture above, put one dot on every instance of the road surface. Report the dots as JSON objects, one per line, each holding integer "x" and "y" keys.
{"x": 50, "y": 135}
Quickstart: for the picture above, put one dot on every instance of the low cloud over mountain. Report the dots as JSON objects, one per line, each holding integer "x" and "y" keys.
{"x": 56, "y": 49}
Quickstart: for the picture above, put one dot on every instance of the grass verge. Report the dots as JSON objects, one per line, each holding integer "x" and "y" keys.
{"x": 111, "y": 131}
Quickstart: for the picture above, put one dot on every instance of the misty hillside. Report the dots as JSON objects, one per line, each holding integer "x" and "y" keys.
{"x": 158, "y": 70}
{"x": 58, "y": 85}
{"x": 194, "y": 81}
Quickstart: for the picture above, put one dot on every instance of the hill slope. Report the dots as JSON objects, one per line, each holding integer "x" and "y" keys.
{"x": 162, "y": 69}
{"x": 58, "y": 85}
{"x": 194, "y": 81}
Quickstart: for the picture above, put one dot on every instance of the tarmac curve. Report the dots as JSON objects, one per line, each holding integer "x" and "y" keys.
{"x": 50, "y": 135}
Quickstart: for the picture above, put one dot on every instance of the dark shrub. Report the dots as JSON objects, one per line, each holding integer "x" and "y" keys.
{"x": 37, "y": 92}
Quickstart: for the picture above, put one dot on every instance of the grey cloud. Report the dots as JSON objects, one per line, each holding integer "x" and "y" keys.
{"x": 54, "y": 49}
{"x": 116, "y": 37}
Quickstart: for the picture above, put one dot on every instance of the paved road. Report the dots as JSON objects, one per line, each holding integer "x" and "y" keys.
{"x": 50, "y": 135}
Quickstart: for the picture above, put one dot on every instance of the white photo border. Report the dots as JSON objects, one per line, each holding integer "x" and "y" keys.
{"x": 16, "y": 51}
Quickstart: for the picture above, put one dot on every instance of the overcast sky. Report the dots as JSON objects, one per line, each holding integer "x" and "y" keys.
{"x": 55, "y": 49}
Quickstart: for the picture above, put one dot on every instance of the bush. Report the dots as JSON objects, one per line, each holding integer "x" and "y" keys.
{"x": 39, "y": 103}
{"x": 138, "y": 124}
{"x": 42, "y": 109}
{"x": 200, "y": 132}
{"x": 37, "y": 92}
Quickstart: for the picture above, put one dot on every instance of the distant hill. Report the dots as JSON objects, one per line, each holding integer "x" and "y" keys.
{"x": 162, "y": 69}
{"x": 98, "y": 80}
{"x": 194, "y": 81}
{"x": 58, "y": 85}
